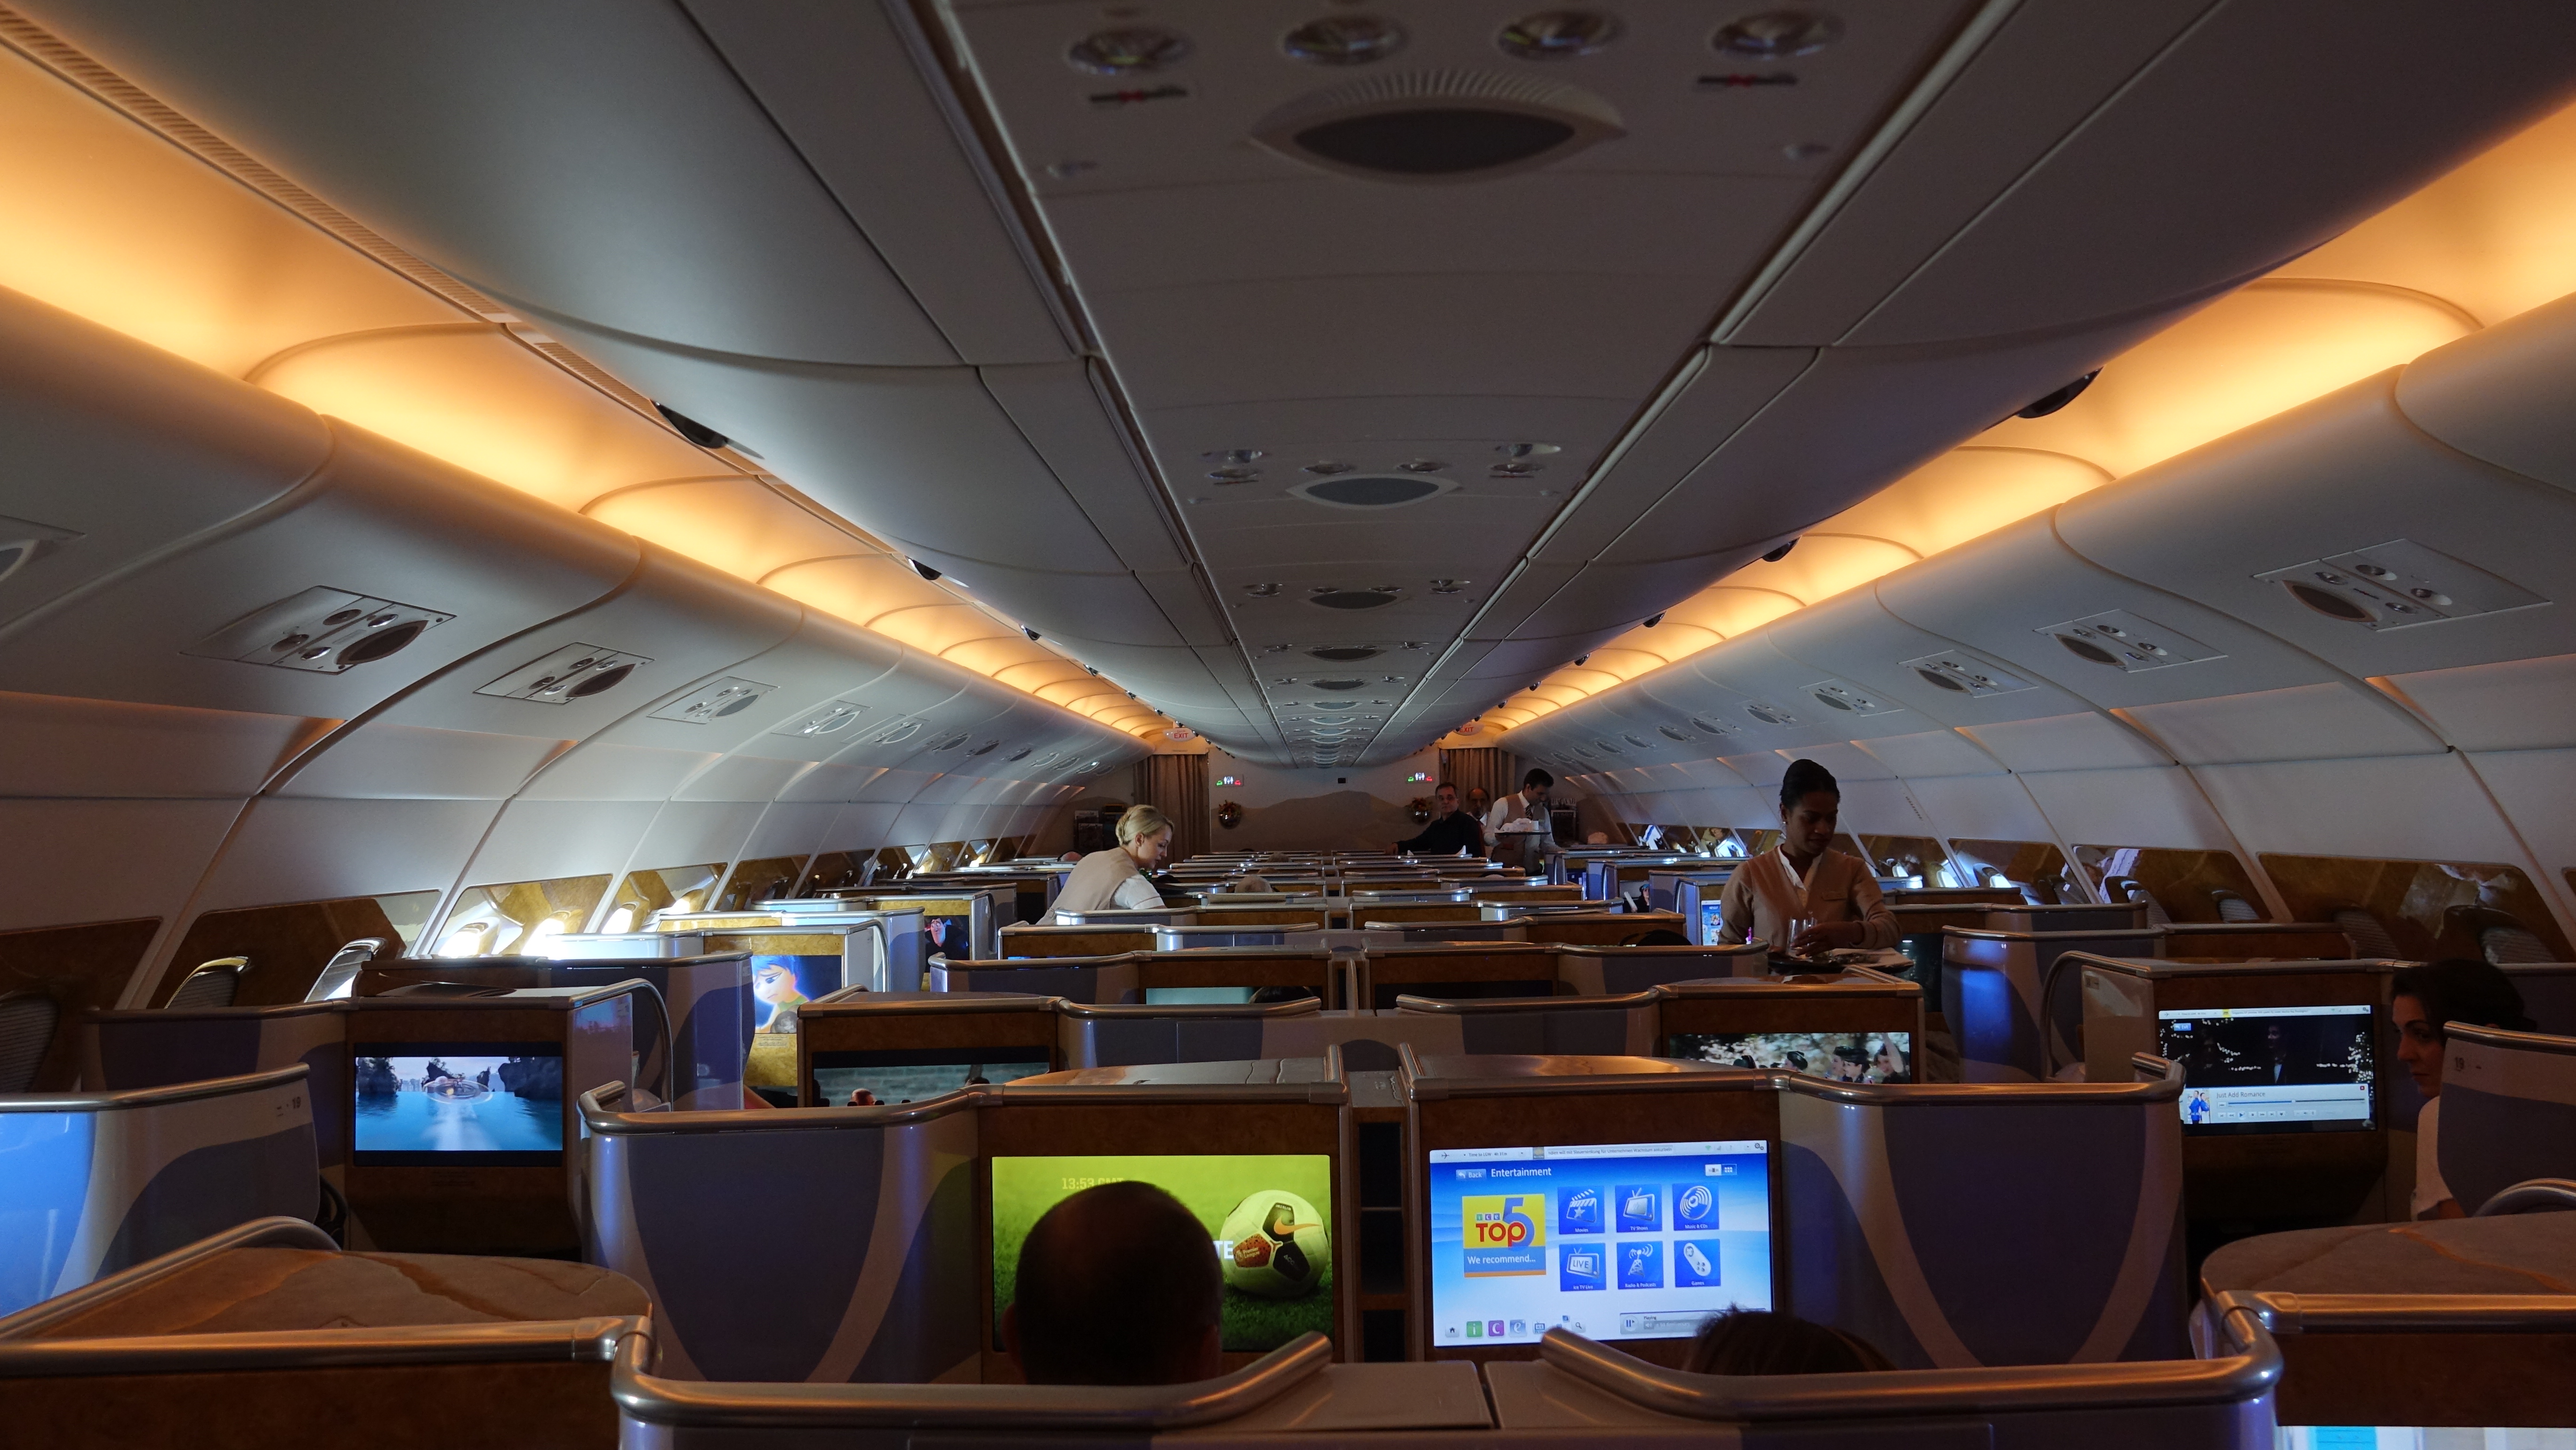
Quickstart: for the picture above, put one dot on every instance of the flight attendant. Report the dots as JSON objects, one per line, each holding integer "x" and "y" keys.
{"x": 1803, "y": 896}
{"x": 1116, "y": 877}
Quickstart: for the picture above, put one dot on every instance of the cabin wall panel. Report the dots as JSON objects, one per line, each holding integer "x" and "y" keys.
{"x": 2140, "y": 806}
{"x": 685, "y": 833}
{"x": 865, "y": 826}
{"x": 105, "y": 860}
{"x": 742, "y": 778}
{"x": 2303, "y": 722}
{"x": 408, "y": 762}
{"x": 535, "y": 840}
{"x": 790, "y": 828}
{"x": 53, "y": 745}
{"x": 2417, "y": 807}
{"x": 1981, "y": 808}
{"x": 2535, "y": 788}
{"x": 1932, "y": 753}
{"x": 294, "y": 849}
{"x": 2510, "y": 705}
{"x": 2085, "y": 741}
{"x": 600, "y": 771}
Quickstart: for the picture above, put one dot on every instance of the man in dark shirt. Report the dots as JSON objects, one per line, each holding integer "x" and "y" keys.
{"x": 1450, "y": 832}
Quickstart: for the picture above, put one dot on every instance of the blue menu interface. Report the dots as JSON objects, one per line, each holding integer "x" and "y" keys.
{"x": 1612, "y": 1240}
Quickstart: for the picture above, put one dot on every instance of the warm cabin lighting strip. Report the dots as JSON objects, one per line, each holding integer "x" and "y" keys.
{"x": 119, "y": 209}
{"x": 2494, "y": 238}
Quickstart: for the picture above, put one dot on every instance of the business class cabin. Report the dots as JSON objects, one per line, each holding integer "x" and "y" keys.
{"x": 1410, "y": 724}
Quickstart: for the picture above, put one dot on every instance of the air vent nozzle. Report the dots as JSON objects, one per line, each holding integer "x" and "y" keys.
{"x": 1439, "y": 126}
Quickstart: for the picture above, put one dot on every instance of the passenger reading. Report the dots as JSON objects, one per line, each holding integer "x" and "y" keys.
{"x": 1615, "y": 1241}
{"x": 2271, "y": 1069}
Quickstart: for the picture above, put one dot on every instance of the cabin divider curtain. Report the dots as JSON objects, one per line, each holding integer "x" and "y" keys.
{"x": 1177, "y": 785}
{"x": 1486, "y": 766}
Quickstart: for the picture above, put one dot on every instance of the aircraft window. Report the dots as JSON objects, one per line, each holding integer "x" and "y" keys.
{"x": 763, "y": 879}
{"x": 2184, "y": 885}
{"x": 498, "y": 920}
{"x": 838, "y": 871}
{"x": 2427, "y": 909}
{"x": 1757, "y": 842}
{"x": 75, "y": 968}
{"x": 2036, "y": 867}
{"x": 668, "y": 888}
{"x": 1919, "y": 859}
{"x": 289, "y": 944}
{"x": 212, "y": 984}
{"x": 978, "y": 853}
{"x": 27, "y": 1021}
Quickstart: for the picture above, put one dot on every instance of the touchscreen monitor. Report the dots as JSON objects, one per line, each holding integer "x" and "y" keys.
{"x": 1269, "y": 1219}
{"x": 1840, "y": 1056}
{"x": 1712, "y": 920}
{"x": 458, "y": 1104}
{"x": 2271, "y": 1069}
{"x": 911, "y": 1075}
{"x": 1614, "y": 1241}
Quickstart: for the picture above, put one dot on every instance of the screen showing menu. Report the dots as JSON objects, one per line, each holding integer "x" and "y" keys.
{"x": 1613, "y": 1241}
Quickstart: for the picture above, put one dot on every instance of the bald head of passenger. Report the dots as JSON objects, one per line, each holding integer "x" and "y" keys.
{"x": 1118, "y": 1285}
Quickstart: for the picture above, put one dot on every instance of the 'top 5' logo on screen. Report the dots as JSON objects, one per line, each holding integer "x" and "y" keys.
{"x": 1505, "y": 1233}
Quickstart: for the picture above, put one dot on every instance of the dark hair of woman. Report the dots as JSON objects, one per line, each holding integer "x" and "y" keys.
{"x": 2462, "y": 989}
{"x": 1805, "y": 778}
{"x": 1756, "y": 1342}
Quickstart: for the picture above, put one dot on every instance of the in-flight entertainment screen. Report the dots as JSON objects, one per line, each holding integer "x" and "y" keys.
{"x": 2271, "y": 1069}
{"x": 1612, "y": 1240}
{"x": 1268, "y": 1218}
{"x": 1840, "y": 1056}
{"x": 457, "y": 1104}
{"x": 911, "y": 1075}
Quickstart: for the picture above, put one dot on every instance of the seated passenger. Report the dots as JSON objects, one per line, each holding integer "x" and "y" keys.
{"x": 1118, "y": 1285}
{"x": 1757, "y": 1342}
{"x": 1451, "y": 832}
{"x": 2422, "y": 998}
{"x": 1116, "y": 877}
{"x": 1803, "y": 896}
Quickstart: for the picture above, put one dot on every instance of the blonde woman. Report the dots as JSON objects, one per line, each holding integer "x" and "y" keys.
{"x": 1116, "y": 878}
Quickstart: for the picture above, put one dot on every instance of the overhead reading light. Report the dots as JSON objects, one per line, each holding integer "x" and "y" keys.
{"x": 1129, "y": 51}
{"x": 691, "y": 429}
{"x": 2128, "y": 642}
{"x": 1780, "y": 553}
{"x": 831, "y": 719}
{"x": 324, "y": 631}
{"x": 1777, "y": 35}
{"x": 1344, "y": 40}
{"x": 725, "y": 698}
{"x": 575, "y": 672}
{"x": 2398, "y": 584}
{"x": 1557, "y": 35}
{"x": 1439, "y": 126}
{"x": 1372, "y": 490}
{"x": 2050, "y": 402}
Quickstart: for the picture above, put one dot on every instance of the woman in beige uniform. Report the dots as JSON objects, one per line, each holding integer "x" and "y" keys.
{"x": 1832, "y": 898}
{"x": 1116, "y": 877}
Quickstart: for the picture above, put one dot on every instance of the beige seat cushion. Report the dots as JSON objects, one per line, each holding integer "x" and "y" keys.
{"x": 2532, "y": 1253}
{"x": 268, "y": 1290}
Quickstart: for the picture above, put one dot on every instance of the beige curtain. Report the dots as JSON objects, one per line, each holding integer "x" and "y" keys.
{"x": 1177, "y": 785}
{"x": 1486, "y": 766}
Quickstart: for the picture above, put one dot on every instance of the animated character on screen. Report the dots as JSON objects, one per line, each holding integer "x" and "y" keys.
{"x": 1275, "y": 1246}
{"x": 775, "y": 986}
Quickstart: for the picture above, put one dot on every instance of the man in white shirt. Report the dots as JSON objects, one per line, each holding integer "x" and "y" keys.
{"x": 1520, "y": 828}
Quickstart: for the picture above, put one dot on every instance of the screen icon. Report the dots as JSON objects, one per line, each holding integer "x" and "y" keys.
{"x": 1475, "y": 1329}
{"x": 1505, "y": 1234}
{"x": 1581, "y": 1268}
{"x": 1641, "y": 1265}
{"x": 1493, "y": 1329}
{"x": 1695, "y": 1264}
{"x": 1694, "y": 1206}
{"x": 1519, "y": 1327}
{"x": 1641, "y": 1207}
{"x": 1581, "y": 1213}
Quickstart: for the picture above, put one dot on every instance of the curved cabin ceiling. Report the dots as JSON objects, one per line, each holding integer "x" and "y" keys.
{"x": 1233, "y": 354}
{"x": 2491, "y": 240}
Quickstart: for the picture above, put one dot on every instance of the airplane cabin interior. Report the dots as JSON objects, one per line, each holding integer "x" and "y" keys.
{"x": 727, "y": 724}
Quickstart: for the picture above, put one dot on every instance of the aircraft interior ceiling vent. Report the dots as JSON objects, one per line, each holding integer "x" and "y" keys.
{"x": 1438, "y": 126}
{"x": 838, "y": 716}
{"x": 323, "y": 630}
{"x": 726, "y": 697}
{"x": 2128, "y": 642}
{"x": 1848, "y": 699}
{"x": 1353, "y": 598}
{"x": 575, "y": 672}
{"x": 1339, "y": 687}
{"x": 2398, "y": 584}
{"x": 1964, "y": 674}
{"x": 1373, "y": 490}
{"x": 1345, "y": 654}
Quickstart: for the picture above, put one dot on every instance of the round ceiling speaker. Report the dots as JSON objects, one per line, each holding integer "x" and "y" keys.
{"x": 1373, "y": 490}
{"x": 1439, "y": 126}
